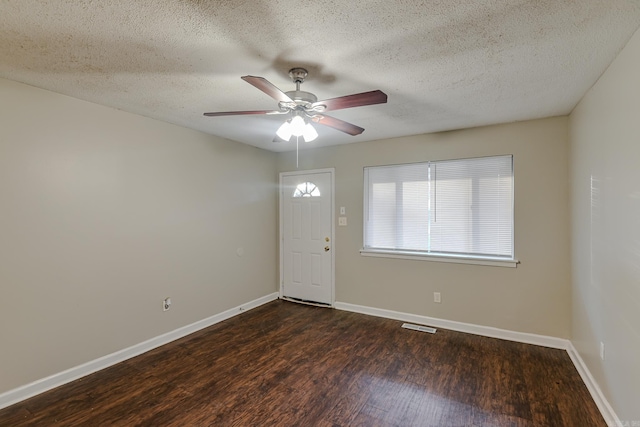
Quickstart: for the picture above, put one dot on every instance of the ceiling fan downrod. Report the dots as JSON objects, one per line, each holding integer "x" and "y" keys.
{"x": 301, "y": 99}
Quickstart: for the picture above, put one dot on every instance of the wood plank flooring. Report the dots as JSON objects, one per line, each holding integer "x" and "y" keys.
{"x": 285, "y": 364}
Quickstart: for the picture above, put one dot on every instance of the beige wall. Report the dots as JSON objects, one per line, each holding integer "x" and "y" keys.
{"x": 534, "y": 297}
{"x": 605, "y": 160}
{"x": 103, "y": 214}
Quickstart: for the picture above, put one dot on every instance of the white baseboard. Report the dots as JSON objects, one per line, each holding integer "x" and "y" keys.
{"x": 542, "y": 340}
{"x": 469, "y": 328}
{"x": 29, "y": 390}
{"x": 605, "y": 408}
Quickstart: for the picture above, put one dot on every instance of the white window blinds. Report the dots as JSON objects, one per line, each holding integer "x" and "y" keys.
{"x": 453, "y": 207}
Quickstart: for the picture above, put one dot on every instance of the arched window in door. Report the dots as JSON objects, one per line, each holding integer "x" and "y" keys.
{"x": 306, "y": 189}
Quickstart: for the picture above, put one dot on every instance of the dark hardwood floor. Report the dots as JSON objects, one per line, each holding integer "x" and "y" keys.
{"x": 285, "y": 364}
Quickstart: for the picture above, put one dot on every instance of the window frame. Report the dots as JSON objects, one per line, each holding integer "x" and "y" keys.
{"x": 498, "y": 261}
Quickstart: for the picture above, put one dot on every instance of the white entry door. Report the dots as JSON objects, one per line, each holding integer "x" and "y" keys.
{"x": 306, "y": 231}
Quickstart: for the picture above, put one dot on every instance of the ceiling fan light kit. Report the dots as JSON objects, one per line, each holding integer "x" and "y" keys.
{"x": 309, "y": 133}
{"x": 298, "y": 127}
{"x": 284, "y": 131}
{"x": 303, "y": 107}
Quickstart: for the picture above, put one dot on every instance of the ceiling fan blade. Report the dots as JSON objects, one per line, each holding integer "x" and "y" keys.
{"x": 267, "y": 87}
{"x": 240, "y": 113}
{"x": 356, "y": 100}
{"x": 337, "y": 124}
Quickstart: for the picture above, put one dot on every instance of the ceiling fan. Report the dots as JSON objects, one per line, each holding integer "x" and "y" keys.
{"x": 304, "y": 107}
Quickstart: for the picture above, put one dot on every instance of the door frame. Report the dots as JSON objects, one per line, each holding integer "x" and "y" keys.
{"x": 332, "y": 174}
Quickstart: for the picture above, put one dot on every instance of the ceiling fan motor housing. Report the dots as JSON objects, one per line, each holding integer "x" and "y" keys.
{"x": 301, "y": 97}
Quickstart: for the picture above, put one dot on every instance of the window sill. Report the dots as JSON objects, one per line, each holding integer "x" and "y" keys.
{"x": 494, "y": 262}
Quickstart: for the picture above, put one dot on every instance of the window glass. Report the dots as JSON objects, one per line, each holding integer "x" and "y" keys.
{"x": 453, "y": 207}
{"x": 306, "y": 189}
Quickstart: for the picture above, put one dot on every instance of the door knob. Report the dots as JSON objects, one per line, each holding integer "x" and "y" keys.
{"x": 326, "y": 248}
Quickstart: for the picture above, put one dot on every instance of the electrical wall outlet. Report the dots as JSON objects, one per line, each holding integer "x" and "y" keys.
{"x": 166, "y": 304}
{"x": 436, "y": 297}
{"x": 601, "y": 350}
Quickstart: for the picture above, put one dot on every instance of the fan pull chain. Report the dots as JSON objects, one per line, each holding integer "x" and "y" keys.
{"x": 297, "y": 151}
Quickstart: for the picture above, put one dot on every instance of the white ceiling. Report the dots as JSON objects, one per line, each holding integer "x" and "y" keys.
{"x": 444, "y": 64}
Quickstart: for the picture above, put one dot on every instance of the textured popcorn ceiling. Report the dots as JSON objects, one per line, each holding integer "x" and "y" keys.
{"x": 445, "y": 64}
